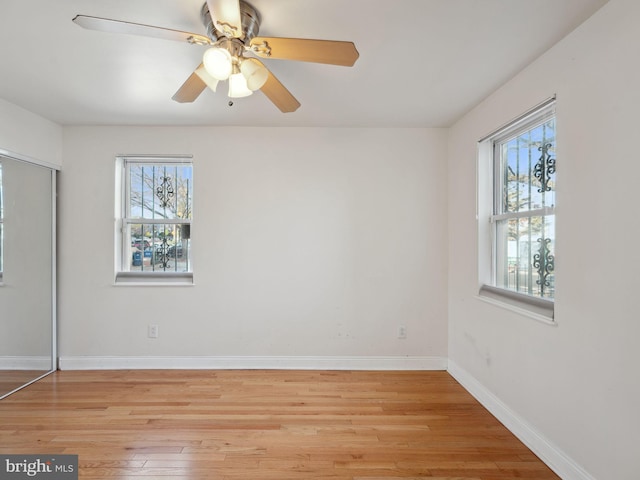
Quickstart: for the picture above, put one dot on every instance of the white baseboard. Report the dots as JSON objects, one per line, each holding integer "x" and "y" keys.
{"x": 15, "y": 362}
{"x": 253, "y": 363}
{"x": 549, "y": 453}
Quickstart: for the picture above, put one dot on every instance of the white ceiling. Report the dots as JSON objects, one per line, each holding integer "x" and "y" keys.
{"x": 423, "y": 63}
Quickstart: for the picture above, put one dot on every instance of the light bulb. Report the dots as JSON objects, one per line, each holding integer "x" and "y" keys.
{"x": 238, "y": 86}
{"x": 218, "y": 63}
{"x": 255, "y": 73}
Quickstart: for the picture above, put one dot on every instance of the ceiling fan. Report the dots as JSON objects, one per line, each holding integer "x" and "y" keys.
{"x": 232, "y": 37}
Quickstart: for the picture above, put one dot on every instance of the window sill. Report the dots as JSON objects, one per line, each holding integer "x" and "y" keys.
{"x": 155, "y": 279}
{"x": 532, "y": 307}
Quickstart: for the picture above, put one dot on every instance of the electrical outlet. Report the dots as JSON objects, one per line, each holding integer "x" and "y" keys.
{"x": 402, "y": 332}
{"x": 153, "y": 331}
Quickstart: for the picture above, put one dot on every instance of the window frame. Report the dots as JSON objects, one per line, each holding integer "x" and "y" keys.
{"x": 490, "y": 187}
{"x": 123, "y": 274}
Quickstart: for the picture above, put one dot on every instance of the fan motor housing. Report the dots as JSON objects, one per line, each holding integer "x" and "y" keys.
{"x": 250, "y": 22}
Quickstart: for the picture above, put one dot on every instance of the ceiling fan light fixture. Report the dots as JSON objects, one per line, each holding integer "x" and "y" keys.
{"x": 218, "y": 63}
{"x": 238, "y": 86}
{"x": 232, "y": 28}
{"x": 254, "y": 72}
{"x": 211, "y": 82}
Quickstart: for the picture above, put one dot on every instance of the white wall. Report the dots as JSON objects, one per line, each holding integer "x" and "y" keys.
{"x": 575, "y": 385}
{"x": 29, "y": 135}
{"x": 306, "y": 242}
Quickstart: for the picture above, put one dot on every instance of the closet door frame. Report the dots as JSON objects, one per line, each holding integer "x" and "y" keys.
{"x": 53, "y": 170}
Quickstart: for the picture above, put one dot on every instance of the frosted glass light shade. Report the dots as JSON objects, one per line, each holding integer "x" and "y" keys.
{"x": 254, "y": 72}
{"x": 211, "y": 82}
{"x": 218, "y": 63}
{"x": 238, "y": 86}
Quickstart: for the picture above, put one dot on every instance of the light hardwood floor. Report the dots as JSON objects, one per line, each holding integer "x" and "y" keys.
{"x": 273, "y": 425}
{"x": 12, "y": 379}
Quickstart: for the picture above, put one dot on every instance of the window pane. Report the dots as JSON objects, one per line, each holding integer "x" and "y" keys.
{"x": 158, "y": 247}
{"x": 161, "y": 191}
{"x": 529, "y": 169}
{"x": 525, "y": 255}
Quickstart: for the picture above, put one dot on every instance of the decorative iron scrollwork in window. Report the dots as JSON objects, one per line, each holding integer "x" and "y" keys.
{"x": 162, "y": 254}
{"x": 545, "y": 167}
{"x": 165, "y": 192}
{"x": 544, "y": 262}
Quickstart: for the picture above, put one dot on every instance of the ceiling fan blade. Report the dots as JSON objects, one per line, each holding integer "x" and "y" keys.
{"x": 226, "y": 17}
{"x": 279, "y": 95}
{"x": 333, "y": 52}
{"x": 118, "y": 26}
{"x": 190, "y": 89}
{"x": 195, "y": 85}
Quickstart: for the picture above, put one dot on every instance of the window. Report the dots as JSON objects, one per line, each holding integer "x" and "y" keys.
{"x": 155, "y": 217}
{"x": 522, "y": 219}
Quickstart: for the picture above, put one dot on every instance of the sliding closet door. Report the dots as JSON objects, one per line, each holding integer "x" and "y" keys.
{"x": 27, "y": 288}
